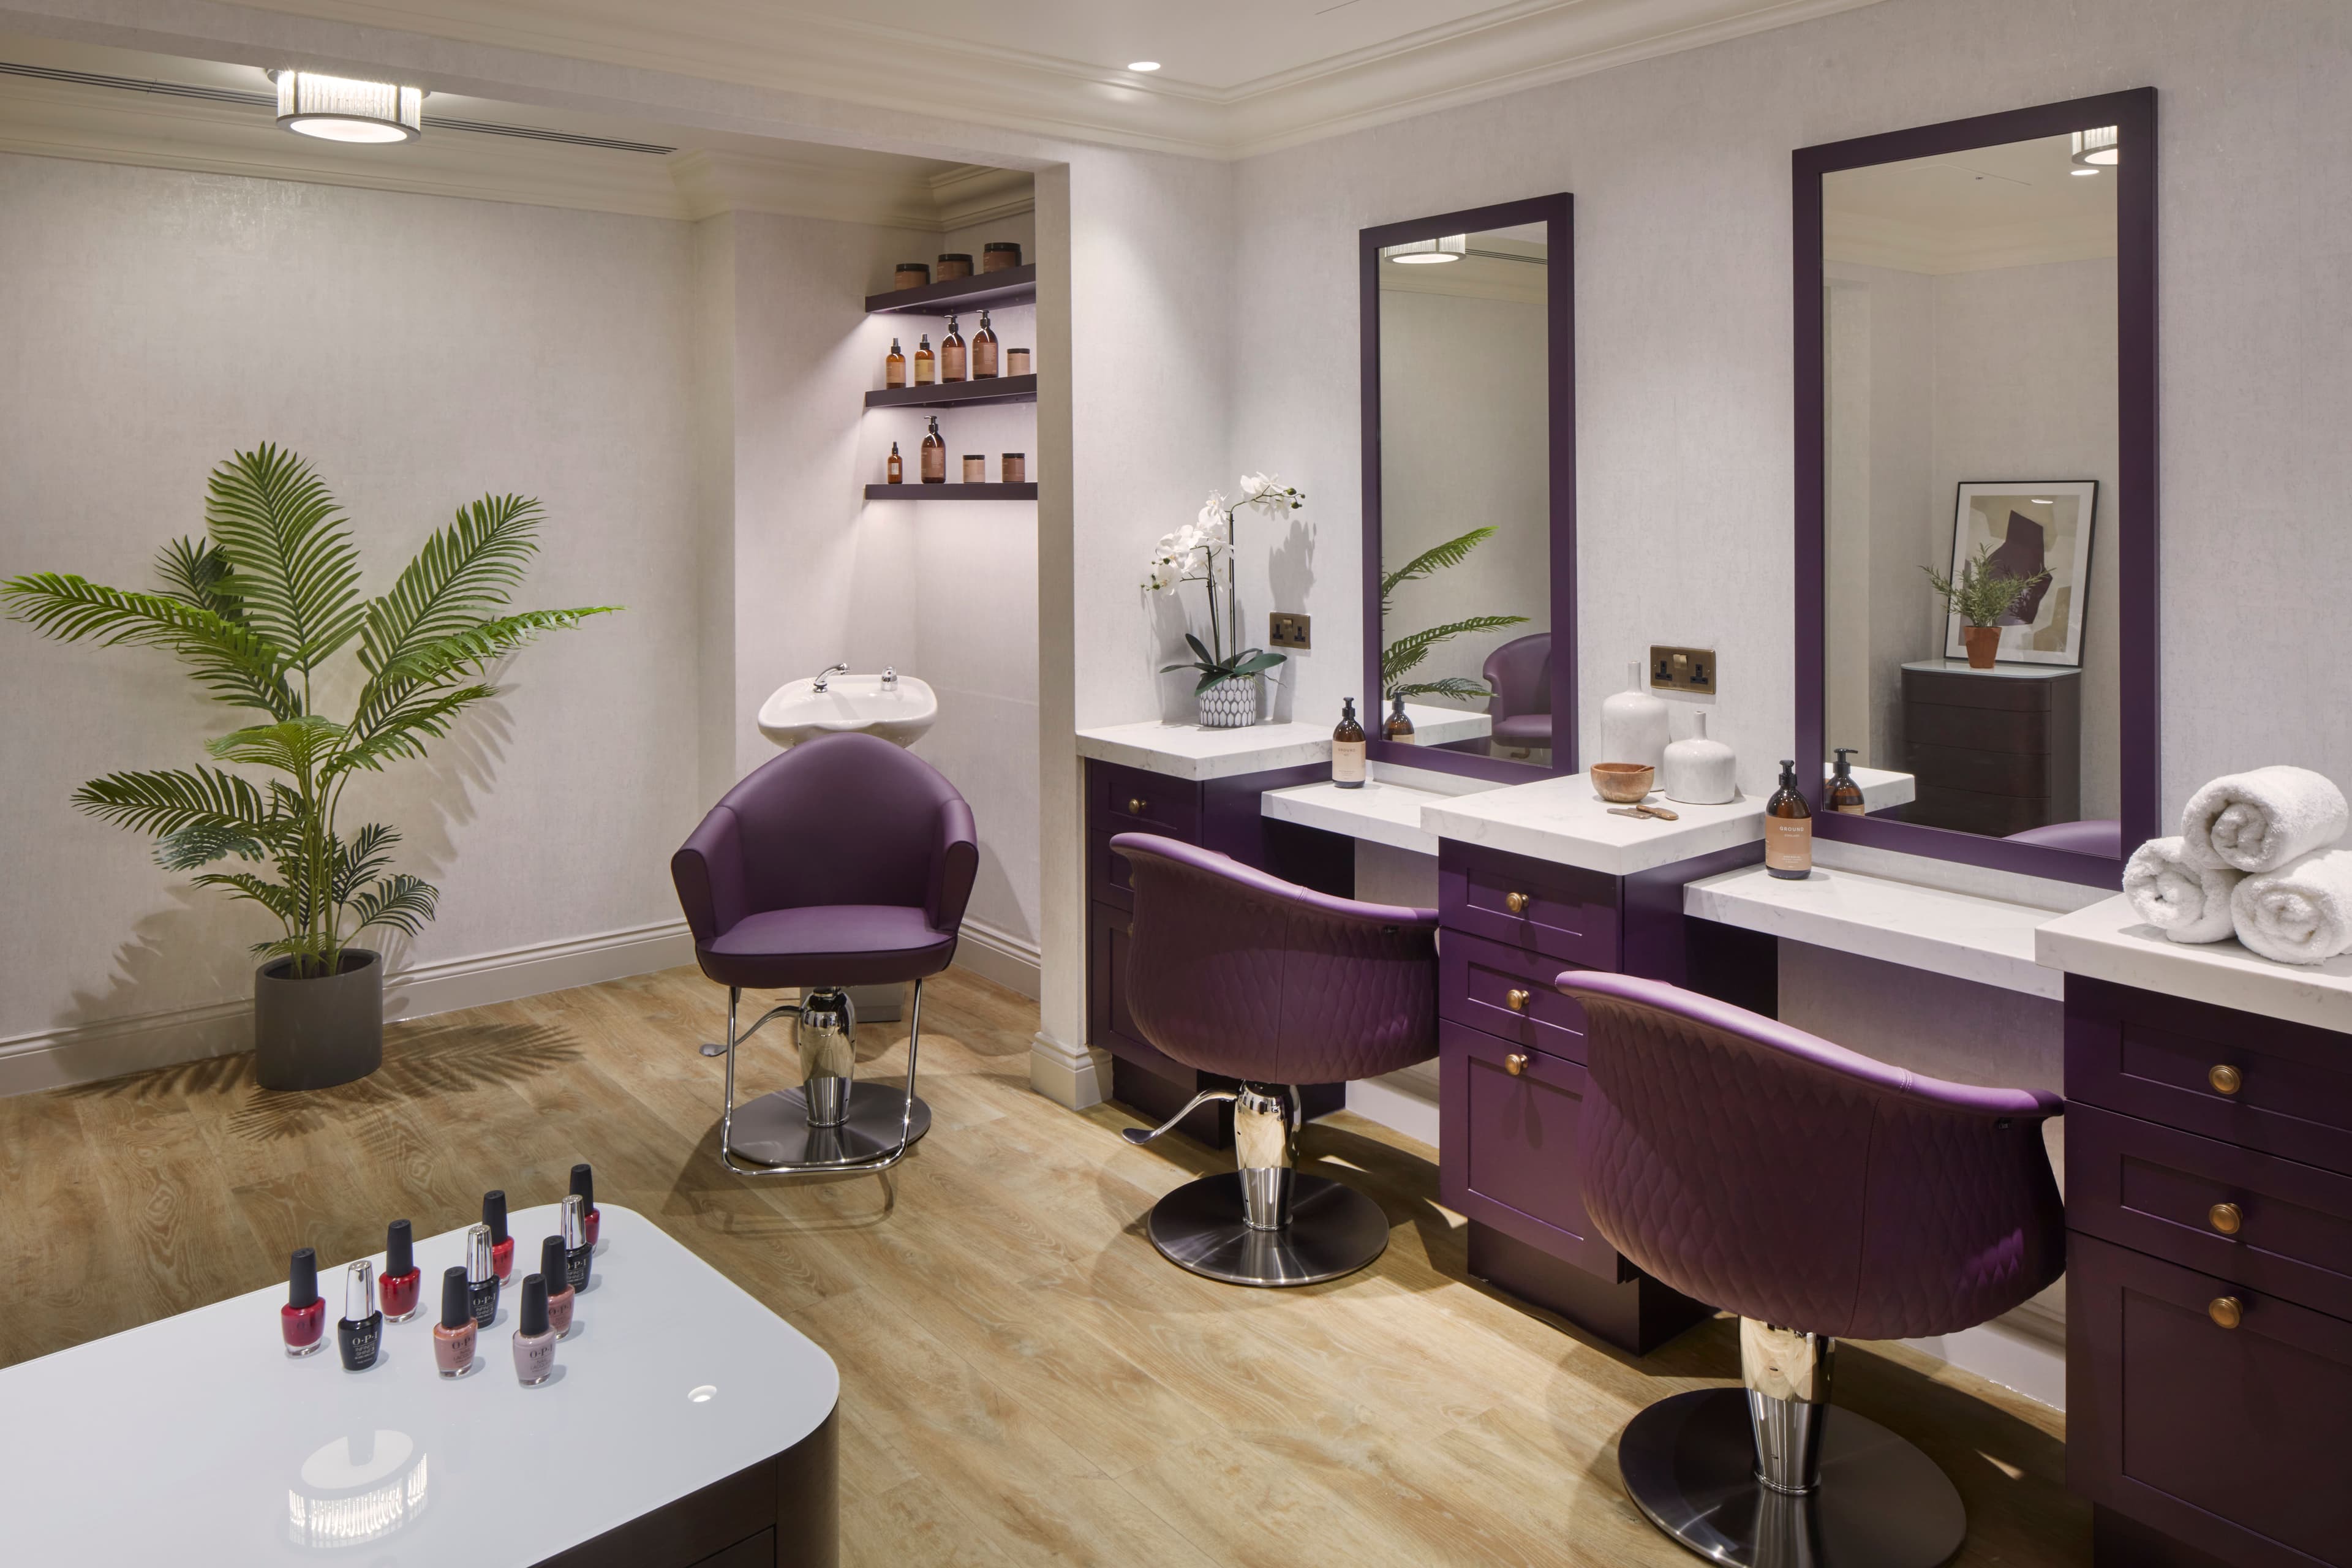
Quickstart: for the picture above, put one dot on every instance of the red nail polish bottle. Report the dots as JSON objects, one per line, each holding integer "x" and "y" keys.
{"x": 584, "y": 1183}
{"x": 403, "y": 1283}
{"x": 303, "y": 1319}
{"x": 494, "y": 1214}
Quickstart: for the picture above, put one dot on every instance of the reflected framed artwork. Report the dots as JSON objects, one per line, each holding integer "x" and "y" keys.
{"x": 2028, "y": 529}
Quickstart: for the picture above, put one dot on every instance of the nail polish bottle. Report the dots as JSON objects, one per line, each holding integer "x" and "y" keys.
{"x": 481, "y": 1277}
{"x": 303, "y": 1319}
{"x": 534, "y": 1342}
{"x": 583, "y": 1182}
{"x": 494, "y": 1214}
{"x": 454, "y": 1336}
{"x": 559, "y": 1294}
{"x": 360, "y": 1331}
{"x": 403, "y": 1284}
{"x": 576, "y": 1251}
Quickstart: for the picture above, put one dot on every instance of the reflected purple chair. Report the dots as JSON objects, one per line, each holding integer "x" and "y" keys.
{"x": 1519, "y": 674}
{"x": 845, "y": 861}
{"x": 2102, "y": 835}
{"x": 1821, "y": 1195}
{"x": 1235, "y": 973}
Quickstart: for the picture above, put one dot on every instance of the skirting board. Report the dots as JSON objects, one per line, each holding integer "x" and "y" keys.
{"x": 86, "y": 1053}
{"x": 1012, "y": 961}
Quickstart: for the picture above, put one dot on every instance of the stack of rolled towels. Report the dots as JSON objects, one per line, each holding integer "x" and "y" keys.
{"x": 2256, "y": 857}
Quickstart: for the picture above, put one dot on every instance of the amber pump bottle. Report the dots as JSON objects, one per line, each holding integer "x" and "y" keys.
{"x": 1845, "y": 795}
{"x": 984, "y": 351}
{"x": 935, "y": 455}
{"x": 894, "y": 367}
{"x": 1398, "y": 728}
{"x": 927, "y": 364}
{"x": 896, "y": 469}
{"x": 952, "y": 363}
{"x": 1788, "y": 829}
{"x": 1348, "y": 748}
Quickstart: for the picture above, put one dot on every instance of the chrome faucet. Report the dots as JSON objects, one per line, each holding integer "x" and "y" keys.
{"x": 826, "y": 675}
{"x": 889, "y": 677}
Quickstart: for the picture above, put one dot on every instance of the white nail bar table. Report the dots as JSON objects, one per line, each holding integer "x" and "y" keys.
{"x": 686, "y": 1427}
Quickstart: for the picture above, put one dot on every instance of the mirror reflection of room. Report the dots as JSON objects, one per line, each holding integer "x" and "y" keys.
{"x": 1466, "y": 552}
{"x": 1969, "y": 315}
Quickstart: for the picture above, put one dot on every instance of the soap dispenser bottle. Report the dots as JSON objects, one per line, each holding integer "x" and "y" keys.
{"x": 984, "y": 351}
{"x": 1845, "y": 795}
{"x": 935, "y": 455}
{"x": 1788, "y": 830}
{"x": 1348, "y": 748}
{"x": 927, "y": 364}
{"x": 1398, "y": 728}
{"x": 951, "y": 355}
{"x": 1634, "y": 724}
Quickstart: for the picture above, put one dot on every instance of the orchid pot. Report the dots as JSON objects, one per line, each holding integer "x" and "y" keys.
{"x": 1231, "y": 687}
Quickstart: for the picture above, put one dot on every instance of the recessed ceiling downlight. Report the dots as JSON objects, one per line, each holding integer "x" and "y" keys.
{"x": 338, "y": 109}
{"x": 1145, "y": 66}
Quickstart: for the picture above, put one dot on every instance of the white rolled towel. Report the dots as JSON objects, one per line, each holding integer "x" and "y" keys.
{"x": 2185, "y": 901}
{"x": 2259, "y": 821}
{"x": 2300, "y": 913}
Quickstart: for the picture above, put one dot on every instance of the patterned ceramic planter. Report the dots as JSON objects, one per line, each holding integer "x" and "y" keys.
{"x": 1231, "y": 703}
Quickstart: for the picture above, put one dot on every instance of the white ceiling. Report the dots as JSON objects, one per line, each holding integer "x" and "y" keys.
{"x": 2011, "y": 206}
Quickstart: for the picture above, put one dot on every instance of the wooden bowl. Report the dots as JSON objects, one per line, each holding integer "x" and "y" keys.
{"x": 1623, "y": 783}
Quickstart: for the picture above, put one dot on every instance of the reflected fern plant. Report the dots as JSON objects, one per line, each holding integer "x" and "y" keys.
{"x": 255, "y": 609}
{"x": 1402, "y": 657}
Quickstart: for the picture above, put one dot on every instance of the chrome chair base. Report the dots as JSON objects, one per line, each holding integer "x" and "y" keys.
{"x": 1690, "y": 1464}
{"x": 1333, "y": 1230}
{"x": 774, "y": 1130}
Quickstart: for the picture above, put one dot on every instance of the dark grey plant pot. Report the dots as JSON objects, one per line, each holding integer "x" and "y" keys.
{"x": 317, "y": 1033}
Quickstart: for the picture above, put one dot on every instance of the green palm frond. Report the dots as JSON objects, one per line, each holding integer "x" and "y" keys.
{"x": 1451, "y": 686}
{"x": 177, "y": 800}
{"x": 399, "y": 688}
{"x": 193, "y": 572}
{"x": 275, "y": 897}
{"x": 404, "y": 732}
{"x": 291, "y": 561}
{"x": 292, "y": 745}
{"x": 464, "y": 573}
{"x": 359, "y": 858}
{"x": 227, "y": 657}
{"x": 404, "y": 903}
{"x": 1436, "y": 558}
{"x": 1406, "y": 652}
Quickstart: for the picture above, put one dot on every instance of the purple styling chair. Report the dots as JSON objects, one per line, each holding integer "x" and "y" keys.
{"x": 2102, "y": 835}
{"x": 1819, "y": 1194}
{"x": 845, "y": 861}
{"x": 1239, "y": 973}
{"x": 1519, "y": 673}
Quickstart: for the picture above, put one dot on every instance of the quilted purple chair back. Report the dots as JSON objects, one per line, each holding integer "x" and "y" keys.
{"x": 1234, "y": 972}
{"x": 1520, "y": 674}
{"x": 2092, "y": 836}
{"x": 1787, "y": 1179}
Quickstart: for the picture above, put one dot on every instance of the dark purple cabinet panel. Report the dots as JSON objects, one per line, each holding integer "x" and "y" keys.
{"x": 2159, "y": 1190}
{"x": 1108, "y": 1023}
{"x": 1559, "y": 911}
{"x": 2153, "y": 1056}
{"x": 2232, "y": 1440}
{"x": 1509, "y": 1145}
{"x": 1130, "y": 800}
{"x": 1479, "y": 982}
{"x": 1108, "y": 881}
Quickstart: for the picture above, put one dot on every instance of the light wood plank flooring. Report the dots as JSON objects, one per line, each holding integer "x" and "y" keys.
{"x": 1024, "y": 1380}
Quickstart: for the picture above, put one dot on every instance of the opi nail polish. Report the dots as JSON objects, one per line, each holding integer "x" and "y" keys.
{"x": 303, "y": 1319}
{"x": 454, "y": 1336}
{"x": 403, "y": 1284}
{"x": 534, "y": 1342}
{"x": 576, "y": 1248}
{"x": 494, "y": 1214}
{"x": 360, "y": 1331}
{"x": 481, "y": 1276}
{"x": 583, "y": 1182}
{"x": 559, "y": 1294}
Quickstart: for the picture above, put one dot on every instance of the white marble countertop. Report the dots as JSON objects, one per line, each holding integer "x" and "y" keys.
{"x": 198, "y": 1441}
{"x": 1194, "y": 751}
{"x": 1381, "y": 811}
{"x": 1989, "y": 940}
{"x": 2109, "y": 942}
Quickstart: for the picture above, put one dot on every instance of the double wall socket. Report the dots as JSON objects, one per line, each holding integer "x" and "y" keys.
{"x": 1284, "y": 629}
{"x": 1682, "y": 669}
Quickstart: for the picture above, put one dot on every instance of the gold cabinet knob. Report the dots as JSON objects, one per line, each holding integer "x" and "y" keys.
{"x": 2226, "y": 1311}
{"x": 1516, "y": 999}
{"x": 1516, "y": 902}
{"x": 1516, "y": 1062}
{"x": 2225, "y": 1218}
{"x": 2224, "y": 1078}
{"x": 1135, "y": 805}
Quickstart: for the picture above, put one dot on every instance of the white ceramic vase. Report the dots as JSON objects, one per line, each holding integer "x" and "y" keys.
{"x": 1697, "y": 770}
{"x": 1634, "y": 724}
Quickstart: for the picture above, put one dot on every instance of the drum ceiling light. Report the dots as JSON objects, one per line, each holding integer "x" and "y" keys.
{"x": 2099, "y": 149}
{"x": 1428, "y": 252}
{"x": 338, "y": 109}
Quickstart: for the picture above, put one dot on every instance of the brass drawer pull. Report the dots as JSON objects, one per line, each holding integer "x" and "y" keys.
{"x": 2225, "y": 1218}
{"x": 2225, "y": 1079}
{"x": 1516, "y": 902}
{"x": 1516, "y": 1062}
{"x": 1135, "y": 805}
{"x": 2226, "y": 1311}
{"x": 1516, "y": 999}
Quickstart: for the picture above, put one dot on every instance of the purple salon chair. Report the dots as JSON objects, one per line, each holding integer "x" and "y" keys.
{"x": 1235, "y": 973}
{"x": 2101, "y": 835}
{"x": 845, "y": 861}
{"x": 1519, "y": 675}
{"x": 1821, "y": 1195}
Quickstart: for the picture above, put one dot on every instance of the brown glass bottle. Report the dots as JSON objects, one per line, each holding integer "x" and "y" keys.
{"x": 935, "y": 455}
{"x": 894, "y": 367}
{"x": 1845, "y": 795}
{"x": 984, "y": 351}
{"x": 896, "y": 471}
{"x": 1398, "y": 728}
{"x": 1788, "y": 829}
{"x": 1348, "y": 748}
{"x": 952, "y": 365}
{"x": 927, "y": 364}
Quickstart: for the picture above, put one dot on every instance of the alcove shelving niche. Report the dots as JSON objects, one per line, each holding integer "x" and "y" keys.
{"x": 1014, "y": 286}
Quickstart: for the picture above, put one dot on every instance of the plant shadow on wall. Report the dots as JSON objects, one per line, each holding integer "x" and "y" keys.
{"x": 1229, "y": 674}
{"x": 255, "y": 609}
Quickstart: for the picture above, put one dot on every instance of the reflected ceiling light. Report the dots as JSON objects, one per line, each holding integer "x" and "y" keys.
{"x": 1143, "y": 65}
{"x": 2078, "y": 173}
{"x": 1427, "y": 252}
{"x": 338, "y": 109}
{"x": 2099, "y": 149}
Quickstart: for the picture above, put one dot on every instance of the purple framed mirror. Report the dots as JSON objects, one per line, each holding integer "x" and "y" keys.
{"x": 1976, "y": 484}
{"x": 1469, "y": 452}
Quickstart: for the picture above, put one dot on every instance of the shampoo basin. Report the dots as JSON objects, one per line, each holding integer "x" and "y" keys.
{"x": 899, "y": 713}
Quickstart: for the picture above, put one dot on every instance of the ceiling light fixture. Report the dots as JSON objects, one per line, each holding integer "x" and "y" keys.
{"x": 2078, "y": 173}
{"x": 2101, "y": 148}
{"x": 1428, "y": 252}
{"x": 338, "y": 109}
{"x": 1143, "y": 65}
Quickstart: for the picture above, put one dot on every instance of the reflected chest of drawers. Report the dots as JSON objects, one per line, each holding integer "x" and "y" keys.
{"x": 1994, "y": 750}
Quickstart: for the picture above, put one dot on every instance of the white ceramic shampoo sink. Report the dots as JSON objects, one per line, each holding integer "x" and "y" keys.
{"x": 897, "y": 710}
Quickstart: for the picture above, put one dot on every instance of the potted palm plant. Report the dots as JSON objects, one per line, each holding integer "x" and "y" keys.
{"x": 1981, "y": 596}
{"x": 255, "y": 609}
{"x": 1230, "y": 683}
{"x": 1402, "y": 657}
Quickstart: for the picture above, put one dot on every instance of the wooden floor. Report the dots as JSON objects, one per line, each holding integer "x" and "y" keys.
{"x": 1024, "y": 1380}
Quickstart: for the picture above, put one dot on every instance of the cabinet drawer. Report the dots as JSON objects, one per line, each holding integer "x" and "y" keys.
{"x": 1961, "y": 689}
{"x": 1476, "y": 981}
{"x": 1985, "y": 772}
{"x": 2154, "y": 1057}
{"x": 1560, "y": 911}
{"x": 1934, "y": 724}
{"x": 1129, "y": 800}
{"x": 1508, "y": 1144}
{"x": 2156, "y": 1189}
{"x": 1109, "y": 875}
{"x": 2230, "y": 1440}
{"x": 1109, "y": 1024}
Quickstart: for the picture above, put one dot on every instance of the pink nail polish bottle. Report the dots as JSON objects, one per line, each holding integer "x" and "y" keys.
{"x": 534, "y": 1340}
{"x": 559, "y": 1294}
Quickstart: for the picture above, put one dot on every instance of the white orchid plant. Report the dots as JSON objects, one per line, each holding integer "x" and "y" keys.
{"x": 1193, "y": 554}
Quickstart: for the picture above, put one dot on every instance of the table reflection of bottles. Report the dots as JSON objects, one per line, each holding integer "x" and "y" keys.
{"x": 356, "y": 1489}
